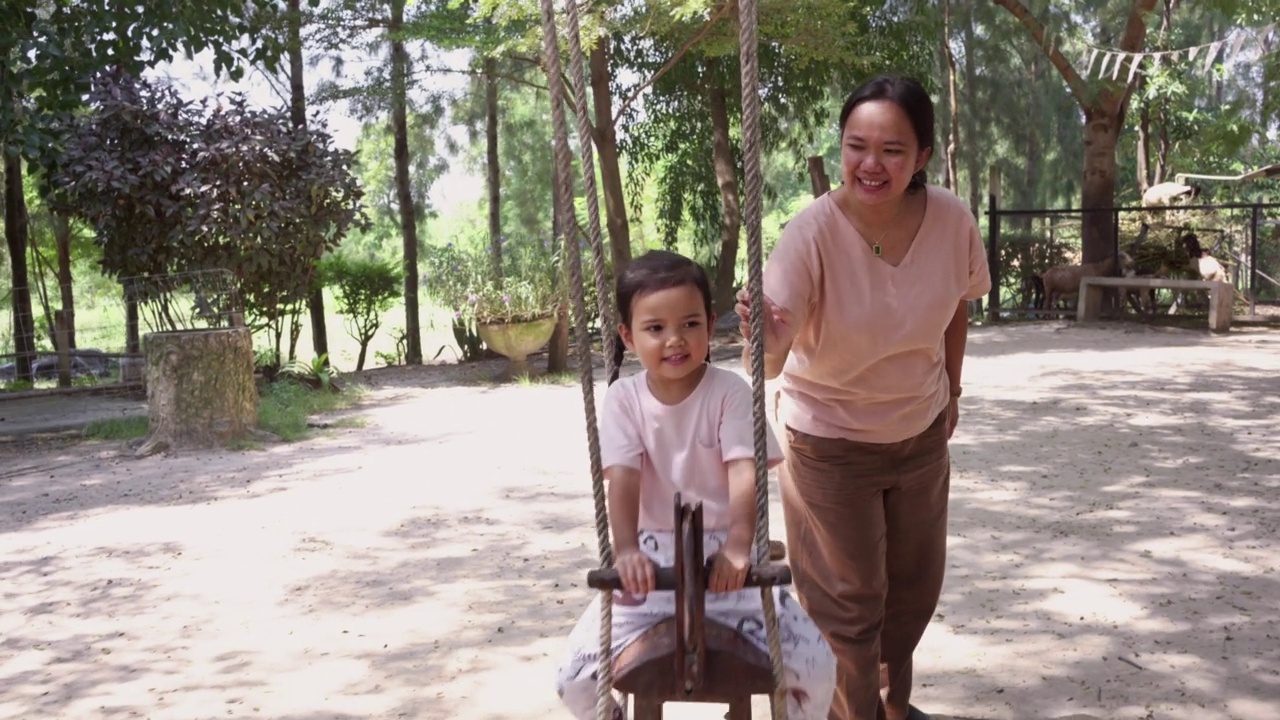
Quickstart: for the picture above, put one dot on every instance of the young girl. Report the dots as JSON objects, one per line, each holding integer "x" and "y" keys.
{"x": 684, "y": 426}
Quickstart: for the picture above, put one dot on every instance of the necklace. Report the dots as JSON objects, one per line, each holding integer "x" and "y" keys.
{"x": 875, "y": 246}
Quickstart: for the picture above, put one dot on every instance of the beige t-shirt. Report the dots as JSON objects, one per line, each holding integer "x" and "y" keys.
{"x": 867, "y": 363}
{"x": 681, "y": 448}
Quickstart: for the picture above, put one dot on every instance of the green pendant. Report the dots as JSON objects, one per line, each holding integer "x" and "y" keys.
{"x": 876, "y": 249}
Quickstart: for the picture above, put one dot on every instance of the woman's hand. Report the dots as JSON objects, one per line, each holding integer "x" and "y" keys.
{"x": 636, "y": 571}
{"x": 779, "y": 323}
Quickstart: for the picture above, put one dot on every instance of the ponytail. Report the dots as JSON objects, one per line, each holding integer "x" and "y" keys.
{"x": 617, "y": 351}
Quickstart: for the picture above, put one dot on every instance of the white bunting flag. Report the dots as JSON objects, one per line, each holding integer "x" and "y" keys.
{"x": 1093, "y": 56}
{"x": 1133, "y": 69}
{"x": 1235, "y": 48}
{"x": 1213, "y": 53}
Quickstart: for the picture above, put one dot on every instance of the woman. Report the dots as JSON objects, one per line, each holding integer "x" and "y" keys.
{"x": 865, "y": 299}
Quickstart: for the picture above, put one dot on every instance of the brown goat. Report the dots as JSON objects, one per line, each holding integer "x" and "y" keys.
{"x": 1063, "y": 281}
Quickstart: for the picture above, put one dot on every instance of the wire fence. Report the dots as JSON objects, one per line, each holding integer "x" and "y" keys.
{"x": 1243, "y": 237}
{"x": 93, "y": 342}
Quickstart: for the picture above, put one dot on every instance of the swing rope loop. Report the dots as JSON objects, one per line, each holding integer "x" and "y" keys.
{"x": 748, "y": 60}
{"x": 748, "y": 48}
{"x": 572, "y": 252}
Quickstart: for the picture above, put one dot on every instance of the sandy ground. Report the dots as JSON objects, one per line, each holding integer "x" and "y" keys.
{"x": 1114, "y": 550}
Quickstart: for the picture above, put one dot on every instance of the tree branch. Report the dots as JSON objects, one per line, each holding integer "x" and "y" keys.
{"x": 1076, "y": 84}
{"x": 724, "y": 10}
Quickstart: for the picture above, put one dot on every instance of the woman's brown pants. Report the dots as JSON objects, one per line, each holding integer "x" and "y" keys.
{"x": 867, "y": 526}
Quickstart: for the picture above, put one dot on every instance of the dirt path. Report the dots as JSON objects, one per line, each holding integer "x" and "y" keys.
{"x": 1116, "y": 511}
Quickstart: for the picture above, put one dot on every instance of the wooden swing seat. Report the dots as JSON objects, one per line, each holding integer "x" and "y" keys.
{"x": 689, "y": 658}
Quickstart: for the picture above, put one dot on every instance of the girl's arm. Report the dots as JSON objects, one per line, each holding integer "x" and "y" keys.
{"x": 624, "y": 507}
{"x": 729, "y": 565}
{"x": 742, "y": 504}
{"x": 633, "y": 566}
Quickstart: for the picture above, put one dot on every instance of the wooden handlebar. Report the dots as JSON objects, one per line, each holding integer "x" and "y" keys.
{"x": 665, "y": 577}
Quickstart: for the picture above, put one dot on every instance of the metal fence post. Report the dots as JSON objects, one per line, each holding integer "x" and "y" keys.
{"x": 993, "y": 242}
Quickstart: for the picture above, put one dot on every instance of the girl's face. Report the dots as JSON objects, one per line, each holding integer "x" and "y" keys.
{"x": 669, "y": 332}
{"x": 879, "y": 152}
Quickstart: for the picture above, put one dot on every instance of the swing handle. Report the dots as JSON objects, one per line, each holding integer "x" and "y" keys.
{"x": 665, "y": 577}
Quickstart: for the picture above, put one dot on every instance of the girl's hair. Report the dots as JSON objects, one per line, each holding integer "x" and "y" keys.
{"x": 908, "y": 94}
{"x": 653, "y": 271}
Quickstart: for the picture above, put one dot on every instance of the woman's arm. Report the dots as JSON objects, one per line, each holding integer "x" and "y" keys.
{"x": 953, "y": 341}
{"x": 773, "y": 363}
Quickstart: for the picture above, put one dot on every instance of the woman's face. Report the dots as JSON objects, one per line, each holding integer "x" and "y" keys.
{"x": 879, "y": 152}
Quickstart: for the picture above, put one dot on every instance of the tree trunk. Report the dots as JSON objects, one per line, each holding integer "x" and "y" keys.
{"x": 558, "y": 346}
{"x": 1101, "y": 134}
{"x": 606, "y": 140}
{"x": 953, "y": 110}
{"x": 298, "y": 115}
{"x": 1144, "y": 144}
{"x": 15, "y": 233}
{"x": 730, "y": 207}
{"x": 819, "y": 183}
{"x": 62, "y": 237}
{"x": 491, "y": 164}
{"x": 200, "y": 389}
{"x": 971, "y": 94}
{"x": 404, "y": 195}
{"x": 1026, "y": 194}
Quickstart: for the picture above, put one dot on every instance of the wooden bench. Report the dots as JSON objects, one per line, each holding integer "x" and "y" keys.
{"x": 1221, "y": 295}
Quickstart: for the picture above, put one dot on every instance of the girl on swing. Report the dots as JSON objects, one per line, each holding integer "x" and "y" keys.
{"x": 682, "y": 425}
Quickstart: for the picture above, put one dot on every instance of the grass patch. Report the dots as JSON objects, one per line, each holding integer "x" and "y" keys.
{"x": 564, "y": 378}
{"x": 117, "y": 429}
{"x": 287, "y": 405}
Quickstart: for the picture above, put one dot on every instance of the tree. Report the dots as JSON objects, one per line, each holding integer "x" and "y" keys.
{"x": 298, "y": 114}
{"x": 693, "y": 82}
{"x": 365, "y": 289}
{"x": 1104, "y": 102}
{"x": 385, "y": 31}
{"x": 47, "y": 53}
{"x": 169, "y": 188}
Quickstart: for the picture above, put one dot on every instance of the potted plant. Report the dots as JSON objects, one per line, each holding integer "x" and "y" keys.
{"x": 510, "y": 305}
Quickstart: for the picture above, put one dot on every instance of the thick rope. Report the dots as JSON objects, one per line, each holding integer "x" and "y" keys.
{"x": 748, "y": 48}
{"x": 564, "y": 163}
{"x": 604, "y": 297}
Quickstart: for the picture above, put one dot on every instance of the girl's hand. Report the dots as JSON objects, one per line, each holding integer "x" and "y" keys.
{"x": 729, "y": 568}
{"x": 779, "y": 323}
{"x": 636, "y": 570}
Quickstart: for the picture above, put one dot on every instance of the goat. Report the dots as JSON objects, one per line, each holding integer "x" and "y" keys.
{"x": 1206, "y": 264}
{"x": 1063, "y": 281}
{"x": 1169, "y": 193}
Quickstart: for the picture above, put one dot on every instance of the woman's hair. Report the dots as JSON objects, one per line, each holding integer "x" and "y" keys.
{"x": 908, "y": 94}
{"x": 653, "y": 271}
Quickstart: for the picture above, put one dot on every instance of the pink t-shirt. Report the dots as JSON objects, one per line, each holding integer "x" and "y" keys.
{"x": 681, "y": 448}
{"x": 867, "y": 363}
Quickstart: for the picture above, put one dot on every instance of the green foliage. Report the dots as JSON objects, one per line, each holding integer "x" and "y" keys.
{"x": 49, "y": 50}
{"x": 365, "y": 289}
{"x": 801, "y": 61}
{"x": 375, "y": 165}
{"x": 461, "y": 277}
{"x": 117, "y": 429}
{"x": 317, "y": 373}
{"x": 286, "y": 407}
{"x": 171, "y": 188}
